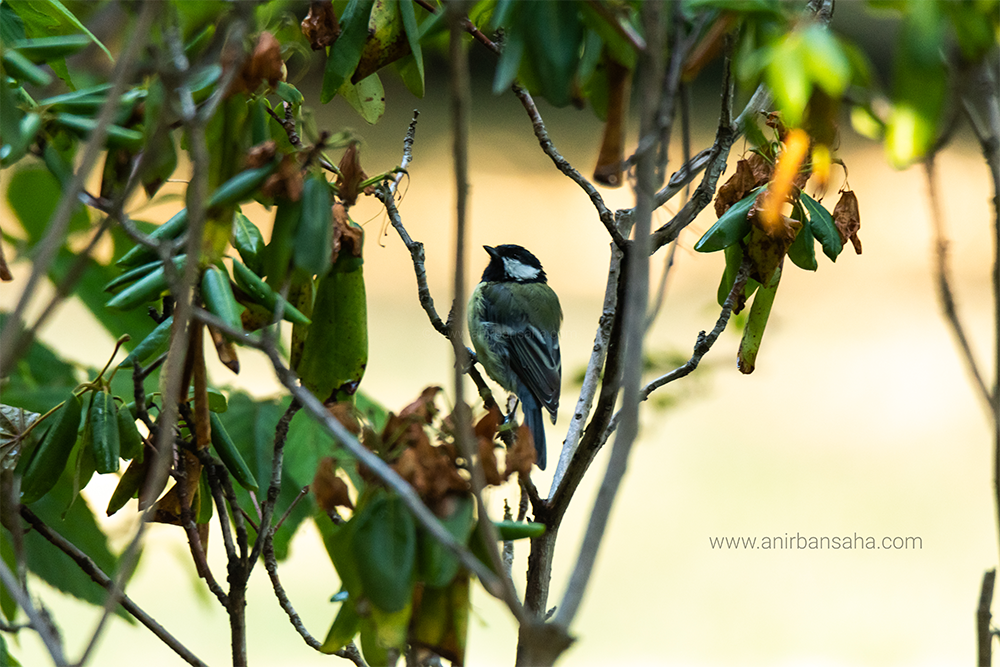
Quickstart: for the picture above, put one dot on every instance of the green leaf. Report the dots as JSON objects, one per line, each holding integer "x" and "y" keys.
{"x": 553, "y": 34}
{"x": 385, "y": 542}
{"x": 436, "y": 566}
{"x": 251, "y": 425}
{"x": 50, "y": 17}
{"x": 802, "y": 252}
{"x": 289, "y": 93}
{"x": 391, "y": 628}
{"x": 734, "y": 257}
{"x": 509, "y": 63}
{"x": 409, "y": 16}
{"x": 345, "y": 53}
{"x": 33, "y": 194}
{"x": 11, "y": 25}
{"x": 8, "y": 606}
{"x": 345, "y": 627}
{"x": 822, "y": 227}
{"x": 372, "y": 650}
{"x": 519, "y": 530}
{"x": 249, "y": 243}
{"x": 825, "y": 60}
{"x": 339, "y": 543}
{"x": 406, "y": 67}
{"x": 367, "y": 97}
{"x": 788, "y": 78}
{"x": 6, "y": 659}
{"x": 730, "y": 228}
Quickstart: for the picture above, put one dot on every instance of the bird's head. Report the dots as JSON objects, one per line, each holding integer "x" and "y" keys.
{"x": 512, "y": 263}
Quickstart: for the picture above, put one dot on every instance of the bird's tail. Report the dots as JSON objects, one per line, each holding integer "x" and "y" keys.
{"x": 533, "y": 418}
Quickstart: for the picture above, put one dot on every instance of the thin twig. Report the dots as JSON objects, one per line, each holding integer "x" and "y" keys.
{"x": 302, "y": 494}
{"x": 562, "y": 164}
{"x": 416, "y": 249}
{"x": 91, "y": 569}
{"x": 39, "y": 623}
{"x": 945, "y": 294}
{"x": 274, "y": 488}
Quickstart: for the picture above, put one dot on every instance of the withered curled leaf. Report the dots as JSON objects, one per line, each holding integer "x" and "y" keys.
{"x": 330, "y": 490}
{"x": 847, "y": 218}
{"x": 320, "y": 26}
{"x": 521, "y": 456}
{"x": 736, "y": 188}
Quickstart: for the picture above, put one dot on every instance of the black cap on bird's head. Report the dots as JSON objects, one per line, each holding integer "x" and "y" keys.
{"x": 512, "y": 263}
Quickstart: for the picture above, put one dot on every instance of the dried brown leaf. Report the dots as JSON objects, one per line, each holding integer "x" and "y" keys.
{"x": 330, "y": 490}
{"x": 346, "y": 414}
{"x": 488, "y": 460}
{"x": 261, "y": 154}
{"x": 286, "y": 181}
{"x": 168, "y": 509}
{"x": 611, "y": 158}
{"x": 351, "y": 175}
{"x": 521, "y": 456}
{"x": 320, "y": 26}
{"x": 736, "y": 188}
{"x": 226, "y": 350}
{"x": 847, "y": 218}
{"x": 762, "y": 170}
{"x": 487, "y": 426}
{"x": 423, "y": 407}
{"x": 346, "y": 234}
{"x": 265, "y": 63}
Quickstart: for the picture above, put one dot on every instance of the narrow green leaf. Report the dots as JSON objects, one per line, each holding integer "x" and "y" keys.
{"x": 345, "y": 53}
{"x": 42, "y": 16}
{"x": 730, "y": 228}
{"x": 822, "y": 227}
{"x": 409, "y": 16}
{"x": 345, "y": 627}
{"x": 249, "y": 243}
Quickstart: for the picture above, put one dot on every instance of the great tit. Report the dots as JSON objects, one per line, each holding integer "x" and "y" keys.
{"x": 514, "y": 319}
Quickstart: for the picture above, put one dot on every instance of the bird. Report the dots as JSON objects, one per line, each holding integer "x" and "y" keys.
{"x": 514, "y": 319}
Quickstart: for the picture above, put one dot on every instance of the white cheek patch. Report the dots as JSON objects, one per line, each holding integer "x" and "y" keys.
{"x": 519, "y": 270}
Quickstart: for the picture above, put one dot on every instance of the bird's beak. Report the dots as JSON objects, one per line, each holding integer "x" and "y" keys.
{"x": 491, "y": 250}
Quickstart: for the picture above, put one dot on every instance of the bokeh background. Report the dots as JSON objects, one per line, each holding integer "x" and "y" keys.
{"x": 860, "y": 418}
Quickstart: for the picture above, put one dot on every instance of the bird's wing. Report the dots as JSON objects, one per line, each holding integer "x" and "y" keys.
{"x": 534, "y": 358}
